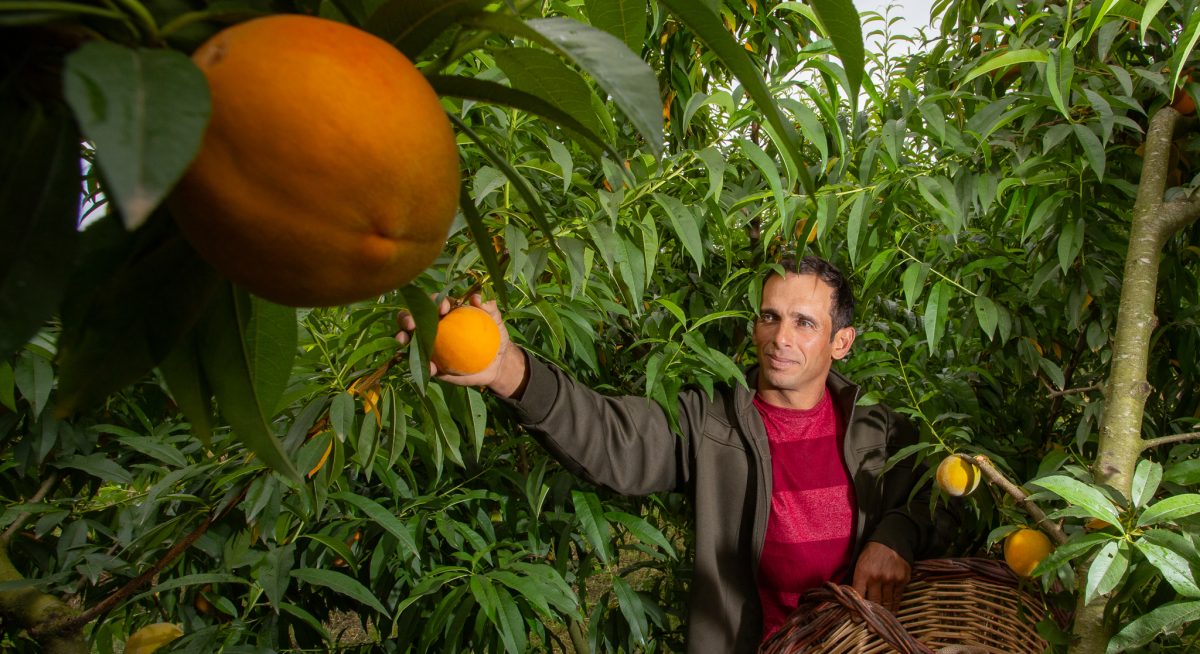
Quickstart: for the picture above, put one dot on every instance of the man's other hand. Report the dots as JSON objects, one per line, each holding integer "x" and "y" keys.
{"x": 881, "y": 575}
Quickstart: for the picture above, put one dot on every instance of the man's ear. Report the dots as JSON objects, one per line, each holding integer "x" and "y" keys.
{"x": 842, "y": 340}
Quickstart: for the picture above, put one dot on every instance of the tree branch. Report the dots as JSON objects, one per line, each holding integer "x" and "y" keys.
{"x": 1151, "y": 443}
{"x": 42, "y": 490}
{"x": 1081, "y": 389}
{"x": 996, "y": 477}
{"x": 74, "y": 623}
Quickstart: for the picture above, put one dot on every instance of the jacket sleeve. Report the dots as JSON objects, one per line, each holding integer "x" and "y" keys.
{"x": 907, "y": 525}
{"x": 624, "y": 443}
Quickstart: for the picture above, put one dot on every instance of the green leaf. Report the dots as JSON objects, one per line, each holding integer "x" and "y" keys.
{"x": 181, "y": 370}
{"x": 642, "y": 530}
{"x": 8, "y": 385}
{"x": 936, "y": 310}
{"x": 1060, "y": 71}
{"x": 271, "y": 341}
{"x": 495, "y": 93}
{"x": 841, "y": 22}
{"x": 706, "y": 25}
{"x": 1093, "y": 149}
{"x": 274, "y": 573}
{"x": 1173, "y": 566}
{"x": 988, "y": 314}
{"x": 1070, "y": 243}
{"x": 1080, "y": 494}
{"x": 33, "y": 377}
{"x": 1185, "y": 43}
{"x": 228, "y": 367}
{"x": 383, "y": 518}
{"x": 145, "y": 111}
{"x": 1167, "y": 618}
{"x": 425, "y": 313}
{"x": 1146, "y": 478}
{"x": 97, "y": 465}
{"x": 340, "y": 583}
{"x": 913, "y": 279}
{"x": 1004, "y": 60}
{"x": 591, "y": 521}
{"x": 714, "y": 161}
{"x": 483, "y": 243}
{"x": 1107, "y": 569}
{"x": 686, "y": 225}
{"x": 631, "y": 607}
{"x": 623, "y": 75}
{"x": 413, "y": 25}
{"x": 1169, "y": 509}
{"x": 624, "y": 19}
{"x": 39, "y": 163}
{"x": 770, "y": 172}
{"x": 1186, "y": 472}
{"x": 546, "y": 76}
{"x": 1069, "y": 551}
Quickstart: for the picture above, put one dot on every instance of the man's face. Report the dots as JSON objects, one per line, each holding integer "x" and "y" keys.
{"x": 795, "y": 339}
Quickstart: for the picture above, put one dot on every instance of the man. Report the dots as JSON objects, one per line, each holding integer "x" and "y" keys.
{"x": 785, "y": 476}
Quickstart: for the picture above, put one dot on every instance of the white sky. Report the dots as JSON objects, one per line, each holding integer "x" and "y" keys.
{"x": 914, "y": 12}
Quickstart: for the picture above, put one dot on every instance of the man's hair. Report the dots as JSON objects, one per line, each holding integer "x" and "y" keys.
{"x": 843, "y": 298}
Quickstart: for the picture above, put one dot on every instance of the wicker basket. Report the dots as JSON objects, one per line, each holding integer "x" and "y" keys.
{"x": 968, "y": 606}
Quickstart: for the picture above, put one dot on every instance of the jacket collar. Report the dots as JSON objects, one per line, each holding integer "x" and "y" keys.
{"x": 844, "y": 392}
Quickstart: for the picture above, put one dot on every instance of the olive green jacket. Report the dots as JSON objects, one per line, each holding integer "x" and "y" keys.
{"x": 723, "y": 463}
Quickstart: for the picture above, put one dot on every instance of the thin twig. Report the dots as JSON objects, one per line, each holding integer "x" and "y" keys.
{"x": 996, "y": 477}
{"x": 76, "y": 622}
{"x": 1081, "y": 389}
{"x": 47, "y": 484}
{"x": 1167, "y": 440}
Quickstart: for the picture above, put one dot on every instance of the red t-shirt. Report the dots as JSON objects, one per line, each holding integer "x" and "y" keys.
{"x": 811, "y": 525}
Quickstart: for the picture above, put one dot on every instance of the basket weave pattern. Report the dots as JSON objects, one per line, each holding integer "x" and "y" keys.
{"x": 974, "y": 604}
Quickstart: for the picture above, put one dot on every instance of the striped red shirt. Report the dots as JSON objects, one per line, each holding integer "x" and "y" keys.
{"x": 811, "y": 525}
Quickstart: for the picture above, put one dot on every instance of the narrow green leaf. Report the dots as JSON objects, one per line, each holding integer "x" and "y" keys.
{"x": 8, "y": 386}
{"x": 496, "y": 93}
{"x": 274, "y": 573}
{"x": 704, "y": 22}
{"x": 622, "y": 74}
{"x": 414, "y": 25}
{"x": 483, "y": 243}
{"x": 631, "y": 607}
{"x": 913, "y": 280}
{"x": 1164, "y": 619}
{"x": 591, "y": 521}
{"x": 1185, "y": 43}
{"x": 1169, "y": 509}
{"x": 856, "y": 224}
{"x": 1149, "y": 13}
{"x": 686, "y": 225}
{"x": 937, "y": 308}
{"x": 340, "y": 583}
{"x": 546, "y": 76}
{"x": 98, "y": 466}
{"x": 1070, "y": 243}
{"x": 145, "y": 111}
{"x": 988, "y": 314}
{"x": 227, "y": 366}
{"x": 1107, "y": 569}
{"x": 39, "y": 163}
{"x": 770, "y": 172}
{"x": 642, "y": 530}
{"x": 1146, "y": 478}
{"x": 1069, "y": 551}
{"x": 1093, "y": 149}
{"x": 715, "y": 163}
{"x": 271, "y": 336}
{"x": 841, "y": 22}
{"x": 382, "y": 517}
{"x": 1173, "y": 566}
{"x": 624, "y": 19}
{"x": 561, "y": 156}
{"x": 1004, "y": 60}
{"x": 33, "y": 377}
{"x": 182, "y": 372}
{"x": 1080, "y": 494}
{"x": 1060, "y": 71}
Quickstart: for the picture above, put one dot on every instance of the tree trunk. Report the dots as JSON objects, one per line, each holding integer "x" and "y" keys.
{"x": 1154, "y": 222}
{"x": 30, "y": 608}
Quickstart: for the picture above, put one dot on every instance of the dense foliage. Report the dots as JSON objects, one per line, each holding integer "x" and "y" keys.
{"x": 979, "y": 189}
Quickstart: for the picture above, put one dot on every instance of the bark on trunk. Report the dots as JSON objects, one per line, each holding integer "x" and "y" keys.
{"x": 1121, "y": 443}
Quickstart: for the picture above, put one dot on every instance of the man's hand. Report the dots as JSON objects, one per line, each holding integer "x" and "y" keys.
{"x": 881, "y": 575}
{"x": 505, "y": 376}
